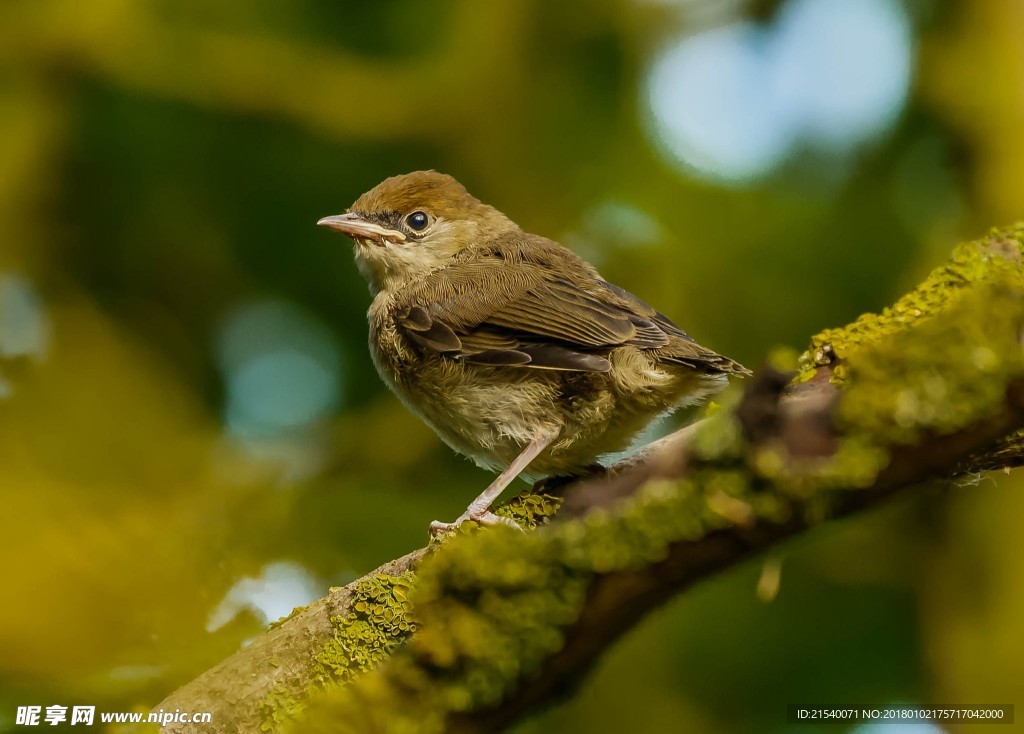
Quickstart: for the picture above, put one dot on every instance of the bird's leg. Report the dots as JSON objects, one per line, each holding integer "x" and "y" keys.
{"x": 479, "y": 510}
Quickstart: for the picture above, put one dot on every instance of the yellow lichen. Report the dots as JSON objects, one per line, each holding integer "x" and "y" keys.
{"x": 379, "y": 620}
{"x": 530, "y": 510}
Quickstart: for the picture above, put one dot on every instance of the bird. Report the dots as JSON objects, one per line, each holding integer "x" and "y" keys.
{"x": 513, "y": 349}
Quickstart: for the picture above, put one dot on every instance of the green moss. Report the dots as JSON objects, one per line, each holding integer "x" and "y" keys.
{"x": 990, "y": 259}
{"x": 938, "y": 360}
{"x": 940, "y": 376}
{"x": 933, "y": 377}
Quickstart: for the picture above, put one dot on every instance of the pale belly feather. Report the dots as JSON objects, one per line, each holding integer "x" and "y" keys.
{"x": 490, "y": 414}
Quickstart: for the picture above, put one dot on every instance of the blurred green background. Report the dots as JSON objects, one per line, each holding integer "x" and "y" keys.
{"x": 193, "y": 439}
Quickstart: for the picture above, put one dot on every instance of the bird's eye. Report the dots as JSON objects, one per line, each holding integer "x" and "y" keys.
{"x": 417, "y": 221}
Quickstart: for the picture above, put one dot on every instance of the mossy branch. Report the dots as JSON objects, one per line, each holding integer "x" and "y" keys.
{"x": 474, "y": 634}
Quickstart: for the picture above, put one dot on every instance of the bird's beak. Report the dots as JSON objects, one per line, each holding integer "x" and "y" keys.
{"x": 358, "y": 228}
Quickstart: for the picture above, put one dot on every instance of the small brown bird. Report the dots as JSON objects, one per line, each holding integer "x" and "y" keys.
{"x": 513, "y": 349}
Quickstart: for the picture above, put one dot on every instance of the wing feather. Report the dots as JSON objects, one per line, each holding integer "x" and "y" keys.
{"x": 508, "y": 308}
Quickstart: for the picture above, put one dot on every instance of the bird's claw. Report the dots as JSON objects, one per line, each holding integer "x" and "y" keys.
{"x": 486, "y": 518}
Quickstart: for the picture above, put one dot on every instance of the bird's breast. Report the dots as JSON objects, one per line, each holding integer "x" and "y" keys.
{"x": 485, "y": 413}
{"x": 489, "y": 413}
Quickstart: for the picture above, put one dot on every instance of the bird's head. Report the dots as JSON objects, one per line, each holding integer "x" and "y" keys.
{"x": 408, "y": 226}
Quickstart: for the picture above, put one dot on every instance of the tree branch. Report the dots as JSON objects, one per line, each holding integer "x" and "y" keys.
{"x": 932, "y": 387}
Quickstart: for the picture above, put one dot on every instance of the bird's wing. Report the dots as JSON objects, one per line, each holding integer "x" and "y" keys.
{"x": 525, "y": 313}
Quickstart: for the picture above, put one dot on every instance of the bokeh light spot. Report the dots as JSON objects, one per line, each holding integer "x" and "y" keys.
{"x": 733, "y": 102}
{"x": 282, "y": 369}
{"x": 843, "y": 67}
{"x": 24, "y": 326}
{"x": 278, "y": 589}
{"x": 711, "y": 100}
{"x": 281, "y": 389}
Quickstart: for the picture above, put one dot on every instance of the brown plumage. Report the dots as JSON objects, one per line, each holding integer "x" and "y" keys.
{"x": 512, "y": 348}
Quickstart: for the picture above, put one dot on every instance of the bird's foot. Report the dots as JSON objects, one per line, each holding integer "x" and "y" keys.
{"x": 483, "y": 517}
